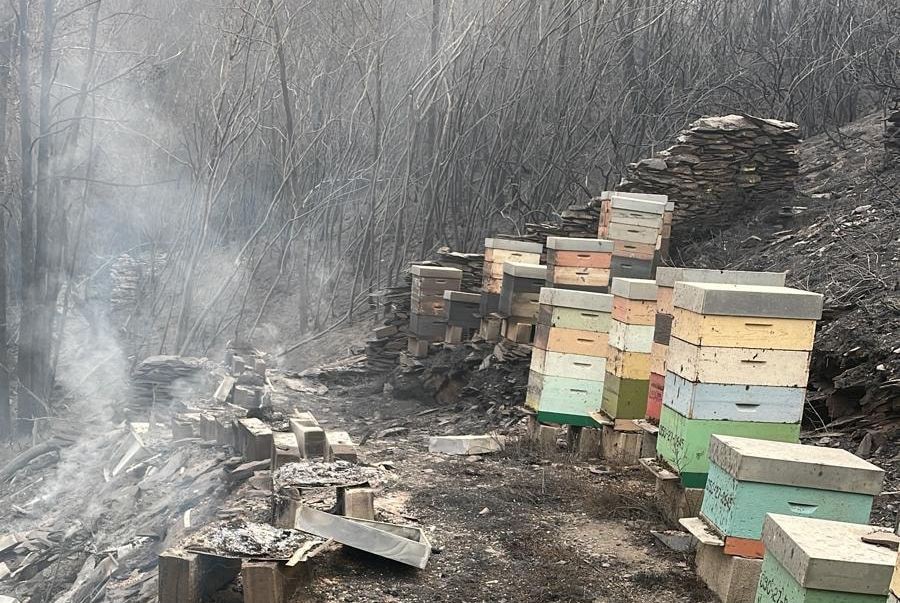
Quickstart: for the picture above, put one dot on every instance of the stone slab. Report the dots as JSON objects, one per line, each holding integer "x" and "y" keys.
{"x": 733, "y": 366}
{"x": 561, "y": 364}
{"x": 398, "y": 543}
{"x": 684, "y": 443}
{"x": 466, "y": 444}
{"x": 667, "y": 276}
{"x": 829, "y": 555}
{"x": 634, "y": 288}
{"x": 748, "y": 300}
{"x": 577, "y": 244}
{"x": 723, "y": 402}
{"x": 751, "y": 460}
{"x": 451, "y": 274}
{"x": 737, "y": 508}
{"x": 631, "y": 338}
{"x": 513, "y": 245}
{"x": 580, "y": 300}
{"x": 743, "y": 332}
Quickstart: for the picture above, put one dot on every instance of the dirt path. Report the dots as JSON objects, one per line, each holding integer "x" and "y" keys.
{"x": 507, "y": 527}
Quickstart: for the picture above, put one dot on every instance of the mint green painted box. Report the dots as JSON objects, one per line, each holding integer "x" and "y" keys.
{"x": 749, "y": 478}
{"x": 819, "y": 561}
{"x": 564, "y": 401}
{"x": 684, "y": 443}
{"x": 738, "y": 508}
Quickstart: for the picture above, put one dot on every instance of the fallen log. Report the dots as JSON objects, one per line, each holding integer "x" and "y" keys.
{"x": 22, "y": 461}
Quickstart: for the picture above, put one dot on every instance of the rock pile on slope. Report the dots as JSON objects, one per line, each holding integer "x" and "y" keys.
{"x": 718, "y": 160}
{"x": 156, "y": 379}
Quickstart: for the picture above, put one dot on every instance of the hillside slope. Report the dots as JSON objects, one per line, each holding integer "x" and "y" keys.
{"x": 839, "y": 235}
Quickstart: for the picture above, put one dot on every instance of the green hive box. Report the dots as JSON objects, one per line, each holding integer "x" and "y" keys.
{"x": 749, "y": 478}
{"x": 625, "y": 398}
{"x": 684, "y": 443}
{"x": 819, "y": 561}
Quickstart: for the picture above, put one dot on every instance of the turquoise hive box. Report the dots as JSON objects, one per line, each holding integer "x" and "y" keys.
{"x": 821, "y": 561}
{"x": 750, "y": 478}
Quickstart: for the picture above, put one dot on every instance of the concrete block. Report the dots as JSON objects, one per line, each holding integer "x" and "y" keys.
{"x": 451, "y": 274}
{"x": 829, "y": 555}
{"x": 237, "y": 365}
{"x": 284, "y": 449}
{"x": 543, "y": 437}
{"x": 255, "y": 439}
{"x": 190, "y": 577}
{"x": 225, "y": 431}
{"x": 667, "y": 276}
{"x": 310, "y": 438}
{"x": 723, "y": 402}
{"x": 271, "y": 582}
{"x": 304, "y": 418}
{"x": 259, "y": 366}
{"x": 795, "y": 465}
{"x": 621, "y": 448}
{"x": 747, "y": 300}
{"x": 732, "y": 579}
{"x": 575, "y": 244}
{"x": 223, "y": 392}
{"x": 589, "y": 443}
{"x": 466, "y": 444}
{"x": 513, "y": 245}
{"x": 339, "y": 446}
{"x": 358, "y": 503}
{"x": 634, "y": 288}
{"x": 676, "y": 502}
{"x": 246, "y": 396}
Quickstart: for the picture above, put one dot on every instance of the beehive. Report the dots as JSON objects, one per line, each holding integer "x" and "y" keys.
{"x": 630, "y": 341}
{"x": 820, "y": 561}
{"x": 496, "y": 252}
{"x": 737, "y": 364}
{"x": 581, "y": 264}
{"x": 634, "y": 222}
{"x": 427, "y": 321}
{"x": 568, "y": 361}
{"x": 666, "y": 277}
{"x": 749, "y": 478}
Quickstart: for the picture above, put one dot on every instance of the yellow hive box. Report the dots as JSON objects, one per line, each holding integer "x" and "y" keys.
{"x": 743, "y": 332}
{"x": 628, "y": 365}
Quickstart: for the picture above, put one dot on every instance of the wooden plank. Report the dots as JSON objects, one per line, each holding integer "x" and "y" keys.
{"x": 367, "y": 536}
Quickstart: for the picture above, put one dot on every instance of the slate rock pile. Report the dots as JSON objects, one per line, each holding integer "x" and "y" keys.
{"x": 161, "y": 379}
{"x": 718, "y": 162}
{"x": 579, "y": 220}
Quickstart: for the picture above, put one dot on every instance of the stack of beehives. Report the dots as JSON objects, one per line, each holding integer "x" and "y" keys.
{"x": 461, "y": 311}
{"x": 520, "y": 300}
{"x": 427, "y": 323}
{"x": 666, "y": 277}
{"x": 568, "y": 362}
{"x": 716, "y": 157}
{"x": 636, "y": 224}
{"x": 496, "y": 253}
{"x": 628, "y": 356}
{"x": 580, "y": 264}
{"x": 737, "y": 364}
